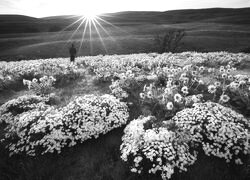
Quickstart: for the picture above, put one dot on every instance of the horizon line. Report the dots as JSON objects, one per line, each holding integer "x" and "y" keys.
{"x": 115, "y": 12}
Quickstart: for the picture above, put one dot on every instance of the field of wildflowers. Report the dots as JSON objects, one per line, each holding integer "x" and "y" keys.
{"x": 173, "y": 107}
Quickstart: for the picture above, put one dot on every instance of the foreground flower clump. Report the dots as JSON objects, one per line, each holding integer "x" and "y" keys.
{"x": 158, "y": 149}
{"x": 218, "y": 130}
{"x": 17, "y": 106}
{"x": 47, "y": 129}
{"x": 206, "y": 104}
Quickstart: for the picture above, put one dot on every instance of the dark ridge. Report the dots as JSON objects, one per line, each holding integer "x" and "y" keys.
{"x": 25, "y": 24}
{"x": 15, "y": 18}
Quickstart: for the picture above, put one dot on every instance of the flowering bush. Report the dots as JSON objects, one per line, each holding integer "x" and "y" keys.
{"x": 17, "y": 106}
{"x": 155, "y": 150}
{"x": 36, "y": 132}
{"x": 170, "y": 89}
{"x": 117, "y": 91}
{"x": 219, "y": 130}
{"x": 127, "y": 85}
{"x": 43, "y": 86}
{"x": 12, "y": 73}
{"x": 94, "y": 115}
{"x": 47, "y": 129}
{"x": 106, "y": 67}
{"x": 187, "y": 107}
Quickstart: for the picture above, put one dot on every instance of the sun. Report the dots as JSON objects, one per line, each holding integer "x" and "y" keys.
{"x": 88, "y": 25}
{"x": 90, "y": 15}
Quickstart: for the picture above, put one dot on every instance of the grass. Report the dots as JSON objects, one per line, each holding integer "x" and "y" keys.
{"x": 201, "y": 36}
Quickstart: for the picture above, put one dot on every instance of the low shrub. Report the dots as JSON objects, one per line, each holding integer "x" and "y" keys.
{"x": 156, "y": 150}
{"x": 219, "y": 130}
{"x": 42, "y": 86}
{"x": 18, "y": 106}
{"x": 162, "y": 149}
{"x": 47, "y": 129}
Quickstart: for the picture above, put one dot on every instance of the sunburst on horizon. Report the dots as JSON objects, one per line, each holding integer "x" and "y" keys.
{"x": 90, "y": 23}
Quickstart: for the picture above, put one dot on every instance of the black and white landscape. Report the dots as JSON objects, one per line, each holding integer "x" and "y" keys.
{"x": 115, "y": 90}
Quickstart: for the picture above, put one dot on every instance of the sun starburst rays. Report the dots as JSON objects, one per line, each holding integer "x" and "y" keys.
{"x": 90, "y": 28}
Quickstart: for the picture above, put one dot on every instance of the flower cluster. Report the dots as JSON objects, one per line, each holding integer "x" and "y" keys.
{"x": 215, "y": 129}
{"x": 42, "y": 86}
{"x": 117, "y": 91}
{"x": 175, "y": 88}
{"x": 12, "y": 73}
{"x": 94, "y": 115}
{"x": 170, "y": 93}
{"x": 106, "y": 67}
{"x": 219, "y": 130}
{"x": 47, "y": 129}
{"x": 127, "y": 85}
{"x": 19, "y": 105}
{"x": 158, "y": 149}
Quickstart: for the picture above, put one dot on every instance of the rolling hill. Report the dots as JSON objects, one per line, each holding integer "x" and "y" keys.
{"x": 207, "y": 30}
{"x": 25, "y": 24}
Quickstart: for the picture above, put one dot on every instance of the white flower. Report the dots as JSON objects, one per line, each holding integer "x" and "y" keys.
{"x": 210, "y": 70}
{"x": 134, "y": 170}
{"x": 230, "y": 77}
{"x": 229, "y": 71}
{"x": 152, "y": 77}
{"x": 201, "y": 82}
{"x": 185, "y": 81}
{"x": 149, "y": 94}
{"x": 196, "y": 99}
{"x": 222, "y": 70}
{"x": 194, "y": 73}
{"x": 234, "y": 85}
{"x": 224, "y": 75}
{"x": 217, "y": 83}
{"x": 242, "y": 82}
{"x": 168, "y": 91}
{"x": 211, "y": 89}
{"x": 25, "y": 82}
{"x": 201, "y": 68}
{"x": 128, "y": 72}
{"x": 177, "y": 98}
{"x": 170, "y": 106}
{"x": 184, "y": 90}
{"x": 34, "y": 80}
{"x": 142, "y": 95}
{"x": 183, "y": 75}
{"x": 224, "y": 98}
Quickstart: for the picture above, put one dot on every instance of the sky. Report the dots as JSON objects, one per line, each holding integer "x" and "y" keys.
{"x": 43, "y": 8}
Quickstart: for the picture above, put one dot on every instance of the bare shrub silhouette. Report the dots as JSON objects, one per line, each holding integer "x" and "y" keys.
{"x": 170, "y": 41}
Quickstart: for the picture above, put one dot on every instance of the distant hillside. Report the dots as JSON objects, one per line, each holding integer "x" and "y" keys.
{"x": 221, "y": 15}
{"x": 25, "y": 24}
